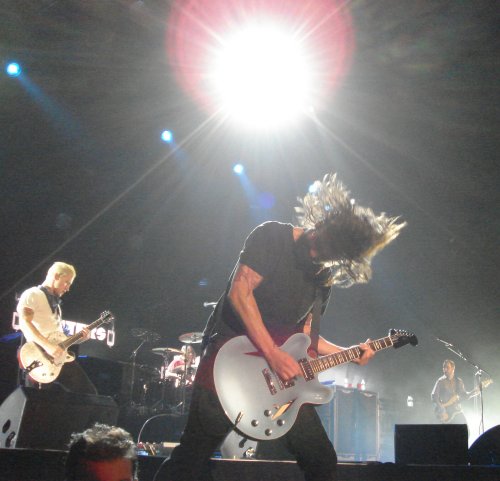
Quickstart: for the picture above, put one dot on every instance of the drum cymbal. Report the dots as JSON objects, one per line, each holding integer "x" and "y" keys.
{"x": 191, "y": 338}
{"x": 145, "y": 335}
{"x": 163, "y": 351}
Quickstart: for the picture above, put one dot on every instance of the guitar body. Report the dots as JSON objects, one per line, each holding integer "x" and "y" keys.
{"x": 447, "y": 418}
{"x": 258, "y": 403}
{"x": 252, "y": 395}
{"x": 39, "y": 365}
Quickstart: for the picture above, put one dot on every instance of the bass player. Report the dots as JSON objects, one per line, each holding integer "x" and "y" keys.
{"x": 448, "y": 393}
{"x": 40, "y": 315}
{"x": 282, "y": 272}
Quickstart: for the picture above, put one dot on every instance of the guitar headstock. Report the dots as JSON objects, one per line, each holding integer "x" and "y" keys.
{"x": 486, "y": 382}
{"x": 401, "y": 337}
{"x": 106, "y": 317}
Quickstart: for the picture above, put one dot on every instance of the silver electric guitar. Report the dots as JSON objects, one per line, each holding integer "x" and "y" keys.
{"x": 43, "y": 368}
{"x": 263, "y": 406}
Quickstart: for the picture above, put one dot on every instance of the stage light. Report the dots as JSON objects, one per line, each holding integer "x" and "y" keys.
{"x": 260, "y": 64}
{"x": 266, "y": 200}
{"x": 261, "y": 77}
{"x": 238, "y": 169}
{"x": 13, "y": 69}
{"x": 167, "y": 136}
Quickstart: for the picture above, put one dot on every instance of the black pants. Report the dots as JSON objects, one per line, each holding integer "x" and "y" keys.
{"x": 207, "y": 427}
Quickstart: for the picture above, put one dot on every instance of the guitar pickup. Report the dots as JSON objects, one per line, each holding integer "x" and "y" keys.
{"x": 269, "y": 381}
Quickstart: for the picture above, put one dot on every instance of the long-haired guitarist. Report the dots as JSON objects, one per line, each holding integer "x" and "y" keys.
{"x": 40, "y": 317}
{"x": 283, "y": 274}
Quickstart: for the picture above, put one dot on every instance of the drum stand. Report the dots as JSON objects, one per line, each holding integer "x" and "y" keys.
{"x": 132, "y": 374}
{"x": 145, "y": 336}
{"x": 183, "y": 384}
{"x": 161, "y": 406}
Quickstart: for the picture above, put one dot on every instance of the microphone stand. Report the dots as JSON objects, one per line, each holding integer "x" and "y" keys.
{"x": 477, "y": 378}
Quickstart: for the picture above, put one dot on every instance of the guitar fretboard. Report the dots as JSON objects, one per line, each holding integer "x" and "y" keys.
{"x": 106, "y": 317}
{"x": 347, "y": 355}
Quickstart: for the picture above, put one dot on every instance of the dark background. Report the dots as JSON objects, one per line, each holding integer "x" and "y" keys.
{"x": 155, "y": 230}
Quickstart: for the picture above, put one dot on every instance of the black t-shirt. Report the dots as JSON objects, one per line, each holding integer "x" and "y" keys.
{"x": 287, "y": 292}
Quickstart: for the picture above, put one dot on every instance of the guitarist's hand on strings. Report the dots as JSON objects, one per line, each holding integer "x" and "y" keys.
{"x": 54, "y": 350}
{"x": 283, "y": 364}
{"x": 366, "y": 355}
{"x": 85, "y": 334}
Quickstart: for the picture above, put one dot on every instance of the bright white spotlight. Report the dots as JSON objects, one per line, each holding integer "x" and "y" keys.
{"x": 13, "y": 69}
{"x": 238, "y": 169}
{"x": 167, "y": 136}
{"x": 261, "y": 77}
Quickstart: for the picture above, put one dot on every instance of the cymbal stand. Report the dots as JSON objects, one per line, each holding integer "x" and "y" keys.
{"x": 184, "y": 379}
{"x": 132, "y": 375}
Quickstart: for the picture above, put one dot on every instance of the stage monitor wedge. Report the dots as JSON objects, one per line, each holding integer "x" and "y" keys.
{"x": 431, "y": 444}
{"x": 45, "y": 419}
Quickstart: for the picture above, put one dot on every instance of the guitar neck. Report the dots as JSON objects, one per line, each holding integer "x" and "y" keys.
{"x": 79, "y": 335}
{"x": 323, "y": 363}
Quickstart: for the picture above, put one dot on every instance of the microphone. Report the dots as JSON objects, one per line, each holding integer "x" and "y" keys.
{"x": 209, "y": 304}
{"x": 444, "y": 342}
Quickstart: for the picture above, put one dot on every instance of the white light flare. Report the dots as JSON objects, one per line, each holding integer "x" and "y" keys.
{"x": 261, "y": 77}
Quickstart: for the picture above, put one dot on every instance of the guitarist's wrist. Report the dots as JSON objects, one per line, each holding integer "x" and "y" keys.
{"x": 269, "y": 350}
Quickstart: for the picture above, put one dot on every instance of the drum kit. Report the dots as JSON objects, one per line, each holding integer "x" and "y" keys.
{"x": 169, "y": 389}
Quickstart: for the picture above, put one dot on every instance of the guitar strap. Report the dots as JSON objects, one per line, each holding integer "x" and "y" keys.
{"x": 54, "y": 301}
{"x": 316, "y": 317}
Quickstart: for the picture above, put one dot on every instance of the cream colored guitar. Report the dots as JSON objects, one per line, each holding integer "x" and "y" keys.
{"x": 43, "y": 368}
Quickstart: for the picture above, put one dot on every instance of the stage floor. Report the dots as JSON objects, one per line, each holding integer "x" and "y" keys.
{"x": 48, "y": 465}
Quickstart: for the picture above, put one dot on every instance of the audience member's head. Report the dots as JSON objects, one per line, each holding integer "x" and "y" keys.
{"x": 101, "y": 453}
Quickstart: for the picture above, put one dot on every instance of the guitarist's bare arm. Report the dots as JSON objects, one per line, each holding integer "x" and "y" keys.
{"x": 32, "y": 334}
{"x": 241, "y": 296}
{"x": 326, "y": 347}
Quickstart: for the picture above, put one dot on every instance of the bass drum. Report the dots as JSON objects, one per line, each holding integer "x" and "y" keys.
{"x": 144, "y": 378}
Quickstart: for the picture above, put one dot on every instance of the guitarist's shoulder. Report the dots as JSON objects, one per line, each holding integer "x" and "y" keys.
{"x": 30, "y": 296}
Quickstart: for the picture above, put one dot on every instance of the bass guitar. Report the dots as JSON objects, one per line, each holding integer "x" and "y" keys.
{"x": 447, "y": 411}
{"x": 43, "y": 368}
{"x": 258, "y": 402}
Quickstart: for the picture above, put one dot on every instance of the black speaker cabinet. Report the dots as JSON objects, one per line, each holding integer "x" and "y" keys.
{"x": 351, "y": 421}
{"x": 45, "y": 419}
{"x": 431, "y": 444}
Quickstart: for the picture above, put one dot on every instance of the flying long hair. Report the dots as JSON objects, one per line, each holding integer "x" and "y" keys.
{"x": 348, "y": 235}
